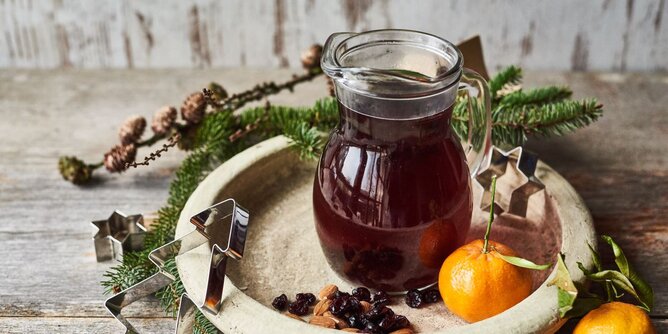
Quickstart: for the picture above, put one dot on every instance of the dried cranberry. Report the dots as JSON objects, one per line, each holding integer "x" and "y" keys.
{"x": 386, "y": 324}
{"x": 280, "y": 302}
{"x": 380, "y": 297}
{"x": 400, "y": 322}
{"x": 345, "y": 305}
{"x": 372, "y": 328}
{"x": 299, "y": 307}
{"x": 357, "y": 321}
{"x": 378, "y": 312}
{"x": 414, "y": 298}
{"x": 431, "y": 295}
{"x": 338, "y": 294}
{"x": 362, "y": 294}
{"x": 308, "y": 298}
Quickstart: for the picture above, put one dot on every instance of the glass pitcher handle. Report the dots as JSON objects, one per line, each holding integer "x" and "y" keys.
{"x": 479, "y": 112}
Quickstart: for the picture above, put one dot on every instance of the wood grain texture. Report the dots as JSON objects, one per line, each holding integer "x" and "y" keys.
{"x": 48, "y": 274}
{"x": 558, "y": 35}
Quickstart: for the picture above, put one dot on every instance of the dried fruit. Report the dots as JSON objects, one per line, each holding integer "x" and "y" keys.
{"x": 345, "y": 304}
{"x": 414, "y": 298}
{"x": 379, "y": 312}
{"x": 321, "y": 307}
{"x": 322, "y": 322}
{"x": 308, "y": 298}
{"x": 380, "y": 297}
{"x": 362, "y": 294}
{"x": 327, "y": 291}
{"x": 357, "y": 321}
{"x": 372, "y": 328}
{"x": 431, "y": 296}
{"x": 394, "y": 322}
{"x": 298, "y": 307}
{"x": 280, "y": 302}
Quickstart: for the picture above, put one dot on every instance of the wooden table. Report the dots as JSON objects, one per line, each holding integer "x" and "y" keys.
{"x": 49, "y": 279}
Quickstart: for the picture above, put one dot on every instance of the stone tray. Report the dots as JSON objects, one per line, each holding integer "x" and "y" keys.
{"x": 283, "y": 254}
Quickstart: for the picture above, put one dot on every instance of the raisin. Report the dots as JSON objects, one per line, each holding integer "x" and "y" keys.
{"x": 298, "y": 308}
{"x": 380, "y": 297}
{"x": 431, "y": 296}
{"x": 362, "y": 294}
{"x": 280, "y": 302}
{"x": 414, "y": 298}
{"x": 357, "y": 321}
{"x": 307, "y": 297}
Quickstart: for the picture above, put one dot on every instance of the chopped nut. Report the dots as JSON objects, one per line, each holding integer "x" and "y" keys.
{"x": 366, "y": 306}
{"x": 322, "y": 322}
{"x": 340, "y": 323}
{"x": 294, "y": 316}
{"x": 327, "y": 291}
{"x": 403, "y": 331}
{"x": 351, "y": 330}
{"x": 321, "y": 307}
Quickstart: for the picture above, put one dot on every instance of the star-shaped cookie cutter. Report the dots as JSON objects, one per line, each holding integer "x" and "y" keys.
{"x": 524, "y": 164}
{"x": 224, "y": 226}
{"x": 116, "y": 234}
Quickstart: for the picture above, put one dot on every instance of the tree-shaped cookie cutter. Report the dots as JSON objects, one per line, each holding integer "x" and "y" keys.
{"x": 224, "y": 226}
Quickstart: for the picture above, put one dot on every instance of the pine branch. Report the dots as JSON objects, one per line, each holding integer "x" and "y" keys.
{"x": 307, "y": 140}
{"x": 538, "y": 96}
{"x": 509, "y": 76}
{"x": 512, "y": 125}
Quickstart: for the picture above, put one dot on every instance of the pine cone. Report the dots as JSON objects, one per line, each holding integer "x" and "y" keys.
{"x": 218, "y": 91}
{"x": 163, "y": 120}
{"x": 193, "y": 108}
{"x": 131, "y": 130}
{"x": 74, "y": 170}
{"x": 116, "y": 159}
{"x": 311, "y": 57}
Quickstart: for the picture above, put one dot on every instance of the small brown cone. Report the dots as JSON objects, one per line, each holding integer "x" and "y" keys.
{"x": 116, "y": 159}
{"x": 193, "y": 108}
{"x": 131, "y": 130}
{"x": 311, "y": 57}
{"x": 74, "y": 170}
{"x": 163, "y": 120}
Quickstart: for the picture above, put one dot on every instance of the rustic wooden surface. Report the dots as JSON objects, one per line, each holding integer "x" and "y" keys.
{"x": 49, "y": 276}
{"x": 557, "y": 35}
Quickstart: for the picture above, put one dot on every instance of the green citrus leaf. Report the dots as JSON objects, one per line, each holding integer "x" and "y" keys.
{"x": 566, "y": 290}
{"x": 595, "y": 258}
{"x": 644, "y": 290}
{"x": 524, "y": 263}
{"x": 620, "y": 258}
{"x": 619, "y": 281}
{"x": 583, "y": 269}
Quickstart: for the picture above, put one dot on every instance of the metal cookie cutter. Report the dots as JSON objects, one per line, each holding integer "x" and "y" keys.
{"x": 525, "y": 164}
{"x": 117, "y": 233}
{"x": 224, "y": 226}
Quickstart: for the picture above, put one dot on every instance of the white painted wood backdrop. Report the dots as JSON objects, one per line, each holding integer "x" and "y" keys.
{"x": 624, "y": 35}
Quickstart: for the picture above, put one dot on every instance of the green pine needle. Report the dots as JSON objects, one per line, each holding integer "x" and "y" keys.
{"x": 539, "y": 96}
{"x": 511, "y": 75}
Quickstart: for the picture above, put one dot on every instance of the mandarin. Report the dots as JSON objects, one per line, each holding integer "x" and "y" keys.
{"x": 477, "y": 285}
{"x": 615, "y": 318}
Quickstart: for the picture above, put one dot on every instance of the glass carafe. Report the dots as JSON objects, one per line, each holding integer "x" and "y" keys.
{"x": 392, "y": 192}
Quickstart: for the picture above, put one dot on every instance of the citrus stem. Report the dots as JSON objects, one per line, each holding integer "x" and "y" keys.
{"x": 491, "y": 217}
